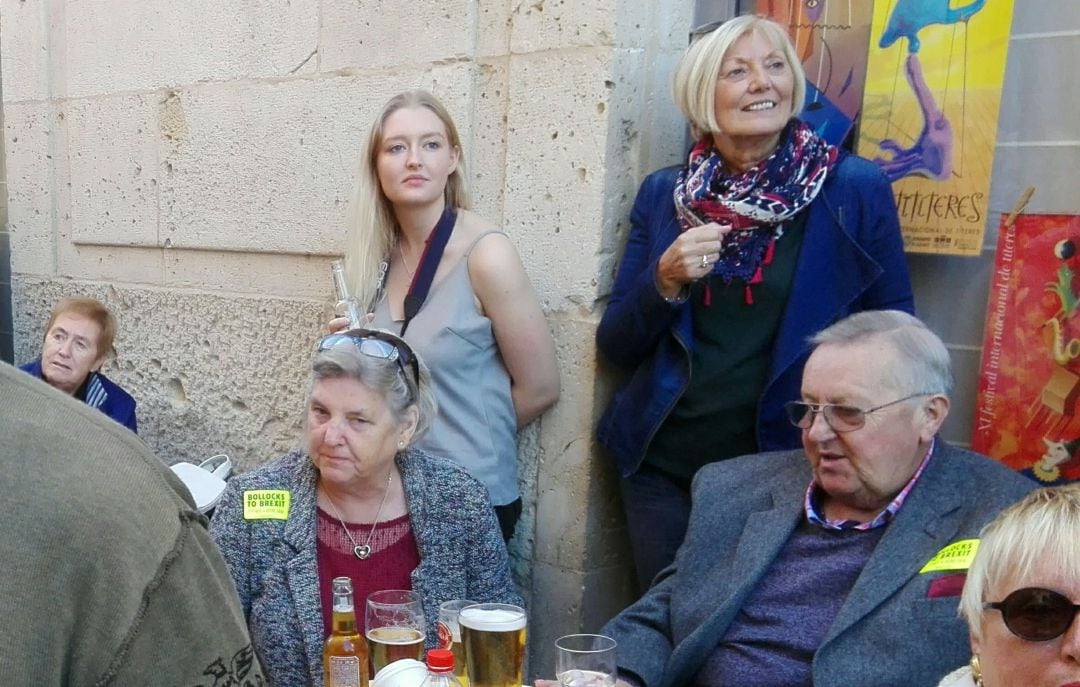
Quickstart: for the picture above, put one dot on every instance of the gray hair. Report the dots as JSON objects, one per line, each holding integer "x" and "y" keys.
{"x": 384, "y": 377}
{"x": 1039, "y": 531}
{"x": 922, "y": 363}
{"x": 694, "y": 87}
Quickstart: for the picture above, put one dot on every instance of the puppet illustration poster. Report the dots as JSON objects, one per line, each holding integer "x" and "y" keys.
{"x": 930, "y": 112}
{"x": 1028, "y": 415}
{"x": 830, "y": 37}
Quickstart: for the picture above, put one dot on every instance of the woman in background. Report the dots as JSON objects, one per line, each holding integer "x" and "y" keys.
{"x": 480, "y": 328}
{"x": 764, "y": 237}
{"x": 1021, "y": 594}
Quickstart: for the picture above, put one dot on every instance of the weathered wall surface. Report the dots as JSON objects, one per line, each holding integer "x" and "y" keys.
{"x": 189, "y": 163}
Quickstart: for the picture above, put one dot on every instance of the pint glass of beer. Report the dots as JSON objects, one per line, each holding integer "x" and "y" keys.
{"x": 493, "y": 636}
{"x": 394, "y": 626}
{"x": 450, "y": 635}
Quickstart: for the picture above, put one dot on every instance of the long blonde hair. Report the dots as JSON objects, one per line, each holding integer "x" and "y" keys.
{"x": 372, "y": 225}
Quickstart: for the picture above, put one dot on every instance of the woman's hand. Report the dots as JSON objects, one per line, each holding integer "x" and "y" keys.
{"x": 689, "y": 258}
{"x": 339, "y": 324}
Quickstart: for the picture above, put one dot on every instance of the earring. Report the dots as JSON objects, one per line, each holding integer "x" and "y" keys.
{"x": 976, "y": 670}
{"x": 401, "y": 445}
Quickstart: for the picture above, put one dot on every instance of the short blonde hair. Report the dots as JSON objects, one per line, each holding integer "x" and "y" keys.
{"x": 372, "y": 226}
{"x": 93, "y": 310}
{"x": 1039, "y": 531}
{"x": 694, "y": 87}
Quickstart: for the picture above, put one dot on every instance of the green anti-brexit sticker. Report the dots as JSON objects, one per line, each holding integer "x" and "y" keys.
{"x": 267, "y": 504}
{"x": 955, "y": 556}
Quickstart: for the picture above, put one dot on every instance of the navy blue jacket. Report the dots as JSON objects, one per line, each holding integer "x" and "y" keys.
{"x": 102, "y": 394}
{"x": 852, "y": 259}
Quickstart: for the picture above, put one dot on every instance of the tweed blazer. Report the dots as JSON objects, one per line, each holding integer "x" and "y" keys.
{"x": 888, "y": 632}
{"x": 273, "y": 562}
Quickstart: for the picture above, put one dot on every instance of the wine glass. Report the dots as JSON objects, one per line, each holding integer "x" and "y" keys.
{"x": 394, "y": 626}
{"x": 585, "y": 661}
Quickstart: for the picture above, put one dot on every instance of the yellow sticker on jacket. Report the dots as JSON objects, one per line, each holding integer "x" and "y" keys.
{"x": 267, "y": 504}
{"x": 955, "y": 556}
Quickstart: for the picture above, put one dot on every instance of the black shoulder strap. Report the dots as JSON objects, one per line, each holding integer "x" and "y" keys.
{"x": 429, "y": 264}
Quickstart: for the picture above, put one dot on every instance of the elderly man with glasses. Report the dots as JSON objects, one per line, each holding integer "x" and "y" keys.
{"x": 840, "y": 564}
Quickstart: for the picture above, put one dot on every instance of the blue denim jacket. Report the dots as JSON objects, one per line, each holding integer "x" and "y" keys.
{"x": 852, "y": 259}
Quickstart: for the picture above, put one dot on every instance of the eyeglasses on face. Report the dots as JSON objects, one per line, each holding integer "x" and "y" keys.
{"x": 840, "y": 417}
{"x": 376, "y": 344}
{"x": 1036, "y": 614}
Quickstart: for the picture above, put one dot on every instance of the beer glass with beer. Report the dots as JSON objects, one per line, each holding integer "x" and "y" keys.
{"x": 394, "y": 625}
{"x": 585, "y": 661}
{"x": 450, "y": 635}
{"x": 493, "y": 636}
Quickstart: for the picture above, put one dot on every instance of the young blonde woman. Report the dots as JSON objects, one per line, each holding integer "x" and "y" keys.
{"x": 478, "y": 322}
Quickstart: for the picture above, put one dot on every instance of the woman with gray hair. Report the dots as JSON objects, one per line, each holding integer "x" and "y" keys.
{"x": 356, "y": 501}
{"x": 764, "y": 236}
{"x": 1021, "y": 596}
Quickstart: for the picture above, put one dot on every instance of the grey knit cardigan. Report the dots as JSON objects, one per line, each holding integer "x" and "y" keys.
{"x": 273, "y": 562}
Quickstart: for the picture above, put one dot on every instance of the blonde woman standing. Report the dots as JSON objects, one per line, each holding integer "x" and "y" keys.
{"x": 454, "y": 287}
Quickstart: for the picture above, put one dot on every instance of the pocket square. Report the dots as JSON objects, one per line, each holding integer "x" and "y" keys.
{"x": 946, "y": 585}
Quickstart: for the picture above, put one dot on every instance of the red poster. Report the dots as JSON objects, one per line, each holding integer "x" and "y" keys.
{"x": 1027, "y": 414}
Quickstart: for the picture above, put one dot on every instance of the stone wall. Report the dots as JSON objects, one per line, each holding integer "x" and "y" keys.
{"x": 189, "y": 163}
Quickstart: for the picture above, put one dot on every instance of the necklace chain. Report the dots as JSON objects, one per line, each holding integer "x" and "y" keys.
{"x": 362, "y": 551}
{"x": 401, "y": 252}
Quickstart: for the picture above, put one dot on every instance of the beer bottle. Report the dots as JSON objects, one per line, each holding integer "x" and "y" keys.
{"x": 440, "y": 665}
{"x": 345, "y": 654}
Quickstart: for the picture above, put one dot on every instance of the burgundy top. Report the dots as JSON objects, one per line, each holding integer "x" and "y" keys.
{"x": 393, "y": 558}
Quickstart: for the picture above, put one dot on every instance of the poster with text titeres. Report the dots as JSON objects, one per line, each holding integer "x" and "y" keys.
{"x": 930, "y": 113}
{"x": 1027, "y": 414}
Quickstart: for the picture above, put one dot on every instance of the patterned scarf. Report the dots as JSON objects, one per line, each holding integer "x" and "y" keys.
{"x": 755, "y": 202}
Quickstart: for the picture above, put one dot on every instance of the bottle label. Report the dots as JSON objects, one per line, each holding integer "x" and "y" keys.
{"x": 446, "y": 637}
{"x": 344, "y": 672}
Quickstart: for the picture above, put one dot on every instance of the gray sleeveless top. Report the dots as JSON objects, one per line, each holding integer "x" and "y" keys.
{"x": 476, "y": 425}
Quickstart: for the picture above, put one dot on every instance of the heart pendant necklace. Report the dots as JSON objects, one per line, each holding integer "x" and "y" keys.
{"x": 362, "y": 551}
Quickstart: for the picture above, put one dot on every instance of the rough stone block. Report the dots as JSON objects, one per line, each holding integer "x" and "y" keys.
{"x": 384, "y": 33}
{"x": 486, "y": 149}
{"x": 268, "y": 274}
{"x": 119, "y": 264}
{"x": 493, "y": 22}
{"x": 540, "y": 25}
{"x": 28, "y": 127}
{"x": 557, "y": 136}
{"x": 127, "y": 45}
{"x": 24, "y": 57}
{"x": 112, "y": 170}
{"x": 270, "y": 167}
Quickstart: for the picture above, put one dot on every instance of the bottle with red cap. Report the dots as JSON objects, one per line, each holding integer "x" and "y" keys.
{"x": 440, "y": 666}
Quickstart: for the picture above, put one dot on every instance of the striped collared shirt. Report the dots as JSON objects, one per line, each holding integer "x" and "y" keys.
{"x": 816, "y": 515}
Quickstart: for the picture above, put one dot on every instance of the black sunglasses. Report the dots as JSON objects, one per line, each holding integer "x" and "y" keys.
{"x": 1036, "y": 614}
{"x": 376, "y": 344}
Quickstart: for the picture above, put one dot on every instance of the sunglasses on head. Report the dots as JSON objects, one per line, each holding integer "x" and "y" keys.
{"x": 1036, "y": 614}
{"x": 376, "y": 344}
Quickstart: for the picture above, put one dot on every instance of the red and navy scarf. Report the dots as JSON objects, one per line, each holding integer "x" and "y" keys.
{"x": 756, "y": 202}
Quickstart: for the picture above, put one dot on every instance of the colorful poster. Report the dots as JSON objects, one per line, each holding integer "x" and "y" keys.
{"x": 830, "y": 37}
{"x": 1027, "y": 414}
{"x": 930, "y": 112}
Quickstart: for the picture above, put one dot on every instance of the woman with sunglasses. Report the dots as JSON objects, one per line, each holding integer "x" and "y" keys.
{"x": 357, "y": 500}
{"x": 1021, "y": 596}
{"x": 765, "y": 236}
{"x": 453, "y": 285}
